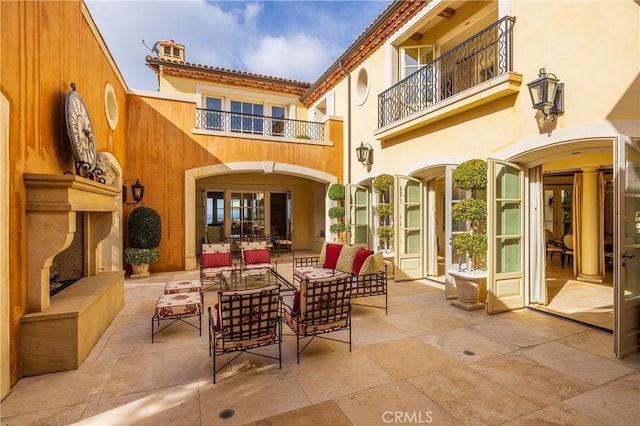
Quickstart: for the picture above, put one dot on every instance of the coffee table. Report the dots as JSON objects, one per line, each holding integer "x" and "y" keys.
{"x": 257, "y": 279}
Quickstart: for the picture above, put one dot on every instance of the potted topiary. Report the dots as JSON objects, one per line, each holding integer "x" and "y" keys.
{"x": 471, "y": 279}
{"x": 382, "y": 185}
{"x": 145, "y": 231}
{"x": 337, "y": 194}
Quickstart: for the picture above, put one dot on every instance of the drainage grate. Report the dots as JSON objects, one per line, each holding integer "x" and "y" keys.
{"x": 226, "y": 414}
{"x": 468, "y": 352}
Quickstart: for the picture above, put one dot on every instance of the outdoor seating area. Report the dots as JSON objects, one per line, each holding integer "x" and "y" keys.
{"x": 366, "y": 269}
{"x": 569, "y": 371}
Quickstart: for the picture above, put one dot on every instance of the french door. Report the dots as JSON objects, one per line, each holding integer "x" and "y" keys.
{"x": 408, "y": 246}
{"x": 626, "y": 253}
{"x": 505, "y": 236}
{"x": 357, "y": 214}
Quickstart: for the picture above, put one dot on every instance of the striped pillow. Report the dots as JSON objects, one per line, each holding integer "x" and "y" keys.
{"x": 215, "y": 260}
{"x": 252, "y": 257}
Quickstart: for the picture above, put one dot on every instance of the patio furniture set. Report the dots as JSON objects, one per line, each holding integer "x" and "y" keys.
{"x": 254, "y": 299}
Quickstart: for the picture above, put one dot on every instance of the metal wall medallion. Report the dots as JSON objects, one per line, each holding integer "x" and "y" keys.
{"x": 105, "y": 170}
{"x": 80, "y": 134}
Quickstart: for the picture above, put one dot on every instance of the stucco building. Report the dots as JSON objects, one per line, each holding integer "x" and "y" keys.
{"x": 221, "y": 152}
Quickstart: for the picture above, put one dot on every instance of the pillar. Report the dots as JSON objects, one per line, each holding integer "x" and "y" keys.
{"x": 589, "y": 266}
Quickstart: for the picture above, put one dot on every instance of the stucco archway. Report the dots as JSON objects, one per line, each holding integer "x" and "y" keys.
{"x": 192, "y": 175}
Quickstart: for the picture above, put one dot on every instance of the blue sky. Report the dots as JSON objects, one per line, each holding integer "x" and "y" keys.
{"x": 297, "y": 40}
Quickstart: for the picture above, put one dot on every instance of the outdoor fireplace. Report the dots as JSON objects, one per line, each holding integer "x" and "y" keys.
{"x": 68, "y": 217}
{"x": 67, "y": 266}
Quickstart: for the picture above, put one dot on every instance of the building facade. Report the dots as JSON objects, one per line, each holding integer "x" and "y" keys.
{"x": 224, "y": 153}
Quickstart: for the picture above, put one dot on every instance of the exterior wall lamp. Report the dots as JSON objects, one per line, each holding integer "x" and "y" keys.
{"x": 364, "y": 153}
{"x": 547, "y": 94}
{"x": 137, "y": 191}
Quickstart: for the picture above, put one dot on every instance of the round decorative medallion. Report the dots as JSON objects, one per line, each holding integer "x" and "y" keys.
{"x": 80, "y": 131}
{"x": 108, "y": 172}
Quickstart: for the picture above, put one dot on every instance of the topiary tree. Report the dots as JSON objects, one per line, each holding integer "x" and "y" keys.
{"x": 471, "y": 176}
{"x": 145, "y": 232}
{"x": 337, "y": 193}
{"x": 383, "y": 184}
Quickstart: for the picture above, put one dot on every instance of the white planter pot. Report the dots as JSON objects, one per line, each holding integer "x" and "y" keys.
{"x": 471, "y": 288}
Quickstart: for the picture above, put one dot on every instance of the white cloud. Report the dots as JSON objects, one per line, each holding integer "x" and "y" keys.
{"x": 279, "y": 39}
{"x": 300, "y": 57}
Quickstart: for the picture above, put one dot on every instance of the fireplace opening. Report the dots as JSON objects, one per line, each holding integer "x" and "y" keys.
{"x": 68, "y": 265}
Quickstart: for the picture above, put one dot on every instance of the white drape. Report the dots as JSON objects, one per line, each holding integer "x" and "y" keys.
{"x": 537, "y": 254}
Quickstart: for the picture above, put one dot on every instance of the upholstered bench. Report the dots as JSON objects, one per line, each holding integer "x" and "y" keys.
{"x": 367, "y": 269}
{"x": 172, "y": 287}
{"x": 176, "y": 307}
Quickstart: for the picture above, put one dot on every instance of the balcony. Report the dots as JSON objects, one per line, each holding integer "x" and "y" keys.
{"x": 258, "y": 125}
{"x": 485, "y": 57}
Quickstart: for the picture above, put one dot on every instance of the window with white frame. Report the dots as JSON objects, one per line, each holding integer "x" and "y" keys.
{"x": 416, "y": 62}
{"x": 247, "y": 117}
{"x": 213, "y": 115}
{"x": 277, "y": 120}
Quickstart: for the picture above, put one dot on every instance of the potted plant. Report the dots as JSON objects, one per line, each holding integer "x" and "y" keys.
{"x": 145, "y": 231}
{"x": 471, "y": 279}
{"x": 337, "y": 194}
{"x": 383, "y": 184}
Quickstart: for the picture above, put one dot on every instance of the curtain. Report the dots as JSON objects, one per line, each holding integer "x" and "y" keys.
{"x": 576, "y": 211}
{"x": 537, "y": 253}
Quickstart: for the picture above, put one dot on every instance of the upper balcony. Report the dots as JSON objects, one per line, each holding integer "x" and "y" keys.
{"x": 477, "y": 71}
{"x": 264, "y": 127}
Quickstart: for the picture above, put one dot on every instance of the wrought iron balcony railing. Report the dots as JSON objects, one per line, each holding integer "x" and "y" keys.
{"x": 225, "y": 121}
{"x": 486, "y": 55}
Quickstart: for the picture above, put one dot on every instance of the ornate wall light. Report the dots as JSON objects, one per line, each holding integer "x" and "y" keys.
{"x": 137, "y": 192}
{"x": 364, "y": 153}
{"x": 547, "y": 94}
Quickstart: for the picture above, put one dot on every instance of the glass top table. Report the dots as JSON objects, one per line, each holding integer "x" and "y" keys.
{"x": 248, "y": 280}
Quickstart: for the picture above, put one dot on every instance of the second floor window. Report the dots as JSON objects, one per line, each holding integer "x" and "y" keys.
{"x": 213, "y": 120}
{"x": 246, "y": 117}
{"x": 277, "y": 124}
{"x": 414, "y": 58}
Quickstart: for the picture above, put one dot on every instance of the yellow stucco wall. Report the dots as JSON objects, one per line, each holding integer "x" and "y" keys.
{"x": 590, "y": 46}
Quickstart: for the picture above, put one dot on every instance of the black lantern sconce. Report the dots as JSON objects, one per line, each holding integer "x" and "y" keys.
{"x": 137, "y": 191}
{"x": 364, "y": 153}
{"x": 547, "y": 94}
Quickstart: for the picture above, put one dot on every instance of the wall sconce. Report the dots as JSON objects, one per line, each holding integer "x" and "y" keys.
{"x": 364, "y": 153}
{"x": 137, "y": 191}
{"x": 547, "y": 94}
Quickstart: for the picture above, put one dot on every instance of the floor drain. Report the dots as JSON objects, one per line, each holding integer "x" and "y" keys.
{"x": 468, "y": 352}
{"x": 226, "y": 414}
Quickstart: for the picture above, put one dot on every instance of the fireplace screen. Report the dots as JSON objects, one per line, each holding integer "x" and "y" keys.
{"x": 68, "y": 265}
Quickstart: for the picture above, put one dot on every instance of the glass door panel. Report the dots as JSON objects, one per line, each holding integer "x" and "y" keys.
{"x": 505, "y": 235}
{"x": 357, "y": 214}
{"x": 627, "y": 248}
{"x": 408, "y": 192}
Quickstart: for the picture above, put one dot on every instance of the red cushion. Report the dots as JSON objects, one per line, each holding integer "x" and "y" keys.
{"x": 358, "y": 261}
{"x": 215, "y": 260}
{"x": 296, "y": 301}
{"x": 252, "y": 257}
{"x": 331, "y": 258}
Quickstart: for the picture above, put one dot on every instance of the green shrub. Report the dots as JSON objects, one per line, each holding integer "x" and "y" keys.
{"x": 471, "y": 175}
{"x": 336, "y": 192}
{"x": 336, "y": 228}
{"x": 384, "y": 209}
{"x": 470, "y": 209}
{"x": 385, "y": 233}
{"x": 145, "y": 228}
{"x": 138, "y": 256}
{"x": 383, "y": 183}
{"x": 336, "y": 212}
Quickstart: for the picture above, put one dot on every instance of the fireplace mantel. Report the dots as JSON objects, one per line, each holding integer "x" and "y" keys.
{"x": 52, "y": 204}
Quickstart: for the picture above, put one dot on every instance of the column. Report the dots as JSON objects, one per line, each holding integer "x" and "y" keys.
{"x": 589, "y": 250}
